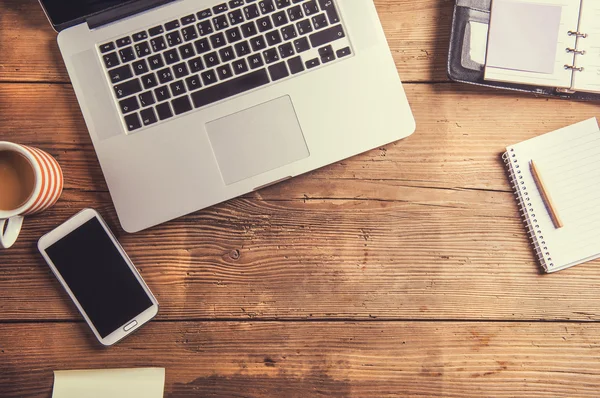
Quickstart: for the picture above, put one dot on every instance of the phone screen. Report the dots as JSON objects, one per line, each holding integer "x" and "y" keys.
{"x": 99, "y": 277}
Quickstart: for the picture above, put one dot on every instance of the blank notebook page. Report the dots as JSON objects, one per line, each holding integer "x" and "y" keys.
{"x": 589, "y": 78}
{"x": 569, "y": 162}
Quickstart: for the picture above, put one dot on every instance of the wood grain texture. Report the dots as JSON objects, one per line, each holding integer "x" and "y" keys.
{"x": 418, "y": 33}
{"x": 300, "y": 359}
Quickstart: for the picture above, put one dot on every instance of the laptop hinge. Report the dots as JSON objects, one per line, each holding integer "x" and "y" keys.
{"x": 122, "y": 11}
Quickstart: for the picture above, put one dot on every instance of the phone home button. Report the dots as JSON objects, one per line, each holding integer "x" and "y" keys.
{"x": 130, "y": 326}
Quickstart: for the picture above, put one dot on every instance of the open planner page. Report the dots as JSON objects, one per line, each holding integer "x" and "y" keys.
{"x": 569, "y": 163}
{"x": 526, "y": 26}
{"x": 588, "y": 79}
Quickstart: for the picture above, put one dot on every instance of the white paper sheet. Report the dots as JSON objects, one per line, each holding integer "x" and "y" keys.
{"x": 523, "y": 36}
{"x": 112, "y": 383}
{"x": 479, "y": 36}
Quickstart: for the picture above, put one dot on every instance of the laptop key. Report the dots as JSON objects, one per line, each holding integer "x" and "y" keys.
{"x": 156, "y": 62}
{"x": 149, "y": 81}
{"x": 172, "y": 25}
{"x": 119, "y": 74}
{"x": 296, "y": 65}
{"x": 111, "y": 60}
{"x": 204, "y": 14}
{"x": 146, "y": 99}
{"x": 164, "y": 111}
{"x": 236, "y": 3}
{"x": 295, "y": 13}
{"x": 140, "y": 67}
{"x": 142, "y": 49}
{"x": 218, "y": 40}
{"x": 171, "y": 56}
{"x": 280, "y": 18}
{"x": 224, "y": 72}
{"x": 209, "y": 77}
{"x": 304, "y": 27}
{"x": 178, "y": 88}
{"x": 240, "y": 66}
{"x": 196, "y": 64}
{"x": 242, "y": 49}
{"x": 220, "y": 22}
{"x": 133, "y": 122}
{"x": 162, "y": 93}
{"x": 282, "y": 3}
{"x": 227, "y": 54}
{"x": 104, "y": 48}
{"x": 278, "y": 71}
{"x": 312, "y": 63}
{"x": 230, "y": 88}
{"x": 343, "y": 52}
{"x": 255, "y": 61}
{"x": 310, "y": 7}
{"x": 301, "y": 45}
{"x": 211, "y": 59}
{"x": 127, "y": 54}
{"x": 319, "y": 21}
{"x": 148, "y": 116}
{"x": 165, "y": 75}
{"x": 129, "y": 105}
{"x": 139, "y": 36}
{"x": 187, "y": 51}
{"x": 155, "y": 31}
{"x": 251, "y": 11}
{"x": 330, "y": 10}
{"x": 264, "y": 24}
{"x": 218, "y": 9}
{"x": 233, "y": 35}
{"x": 124, "y": 41}
{"x": 180, "y": 70}
{"x": 249, "y": 29}
{"x": 158, "y": 44}
{"x": 235, "y": 17}
{"x": 266, "y": 6}
{"x": 327, "y": 36}
{"x": 127, "y": 88}
{"x": 286, "y": 50}
{"x": 189, "y": 33}
{"x": 202, "y": 46}
{"x": 204, "y": 28}
{"x": 188, "y": 19}
{"x": 174, "y": 38}
{"x": 273, "y": 37}
{"x": 193, "y": 82}
{"x": 271, "y": 55}
{"x": 289, "y": 32}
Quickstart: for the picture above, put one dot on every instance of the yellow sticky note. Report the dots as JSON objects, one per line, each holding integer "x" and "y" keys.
{"x": 113, "y": 383}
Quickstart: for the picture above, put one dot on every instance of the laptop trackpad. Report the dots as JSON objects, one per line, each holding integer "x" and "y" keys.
{"x": 257, "y": 140}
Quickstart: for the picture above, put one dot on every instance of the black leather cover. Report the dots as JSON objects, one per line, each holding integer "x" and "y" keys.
{"x": 466, "y": 11}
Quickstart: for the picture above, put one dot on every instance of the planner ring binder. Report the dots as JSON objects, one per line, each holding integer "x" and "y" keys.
{"x": 574, "y": 68}
{"x": 578, "y": 34}
{"x": 575, "y": 51}
{"x": 526, "y": 209}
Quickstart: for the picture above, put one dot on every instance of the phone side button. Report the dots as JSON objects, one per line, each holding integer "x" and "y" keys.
{"x": 130, "y": 326}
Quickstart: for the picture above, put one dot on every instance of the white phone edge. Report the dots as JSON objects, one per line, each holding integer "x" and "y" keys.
{"x": 69, "y": 226}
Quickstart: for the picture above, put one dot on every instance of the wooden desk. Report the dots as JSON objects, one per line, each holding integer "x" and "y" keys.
{"x": 402, "y": 271}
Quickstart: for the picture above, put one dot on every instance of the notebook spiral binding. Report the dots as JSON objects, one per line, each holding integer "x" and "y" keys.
{"x": 526, "y": 209}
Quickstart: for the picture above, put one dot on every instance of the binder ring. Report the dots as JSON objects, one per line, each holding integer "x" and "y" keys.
{"x": 573, "y": 67}
{"x": 578, "y": 34}
{"x": 575, "y": 51}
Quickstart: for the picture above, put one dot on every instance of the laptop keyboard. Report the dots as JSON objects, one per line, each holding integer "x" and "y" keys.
{"x": 217, "y": 53}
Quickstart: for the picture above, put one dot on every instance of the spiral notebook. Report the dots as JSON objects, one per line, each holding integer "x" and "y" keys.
{"x": 569, "y": 162}
{"x": 553, "y": 43}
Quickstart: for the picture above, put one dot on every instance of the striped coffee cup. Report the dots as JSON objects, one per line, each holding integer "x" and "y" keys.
{"x": 45, "y": 190}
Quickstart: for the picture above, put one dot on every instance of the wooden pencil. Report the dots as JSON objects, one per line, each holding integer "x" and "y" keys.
{"x": 556, "y": 220}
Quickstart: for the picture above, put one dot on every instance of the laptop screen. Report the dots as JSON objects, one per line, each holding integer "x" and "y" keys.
{"x": 61, "y": 12}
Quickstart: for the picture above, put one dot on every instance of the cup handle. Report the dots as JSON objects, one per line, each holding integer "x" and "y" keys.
{"x": 8, "y": 235}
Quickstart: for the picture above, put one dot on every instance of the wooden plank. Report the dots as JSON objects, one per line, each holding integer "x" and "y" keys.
{"x": 461, "y": 132}
{"x": 418, "y": 34}
{"x": 369, "y": 359}
{"x": 454, "y": 255}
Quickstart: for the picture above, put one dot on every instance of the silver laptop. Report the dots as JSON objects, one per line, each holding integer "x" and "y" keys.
{"x": 193, "y": 102}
